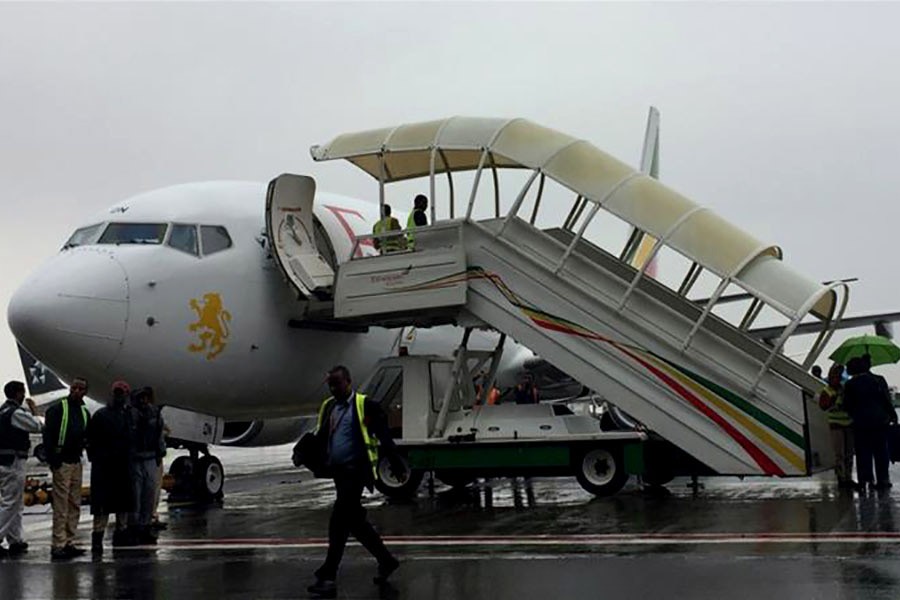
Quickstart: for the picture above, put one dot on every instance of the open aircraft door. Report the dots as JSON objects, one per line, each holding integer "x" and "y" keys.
{"x": 289, "y": 222}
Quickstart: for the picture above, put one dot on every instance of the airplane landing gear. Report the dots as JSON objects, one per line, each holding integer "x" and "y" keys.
{"x": 199, "y": 479}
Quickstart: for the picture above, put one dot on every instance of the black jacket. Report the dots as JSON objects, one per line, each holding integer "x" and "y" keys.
{"x": 76, "y": 438}
{"x": 868, "y": 400}
{"x": 110, "y": 435}
{"x": 314, "y": 447}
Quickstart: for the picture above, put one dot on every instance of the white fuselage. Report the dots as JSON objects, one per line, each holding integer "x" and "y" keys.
{"x": 210, "y": 333}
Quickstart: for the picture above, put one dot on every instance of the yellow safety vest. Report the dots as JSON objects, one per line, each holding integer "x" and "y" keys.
{"x": 411, "y": 227}
{"x": 64, "y": 423}
{"x": 837, "y": 415}
{"x": 393, "y": 243}
{"x": 370, "y": 443}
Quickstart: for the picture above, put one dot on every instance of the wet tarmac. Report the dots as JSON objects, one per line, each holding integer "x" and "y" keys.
{"x": 758, "y": 538}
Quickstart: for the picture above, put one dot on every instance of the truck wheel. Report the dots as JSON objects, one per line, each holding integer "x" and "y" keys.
{"x": 397, "y": 487}
{"x": 601, "y": 471}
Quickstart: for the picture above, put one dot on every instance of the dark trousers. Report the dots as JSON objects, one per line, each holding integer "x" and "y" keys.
{"x": 871, "y": 446}
{"x": 349, "y": 517}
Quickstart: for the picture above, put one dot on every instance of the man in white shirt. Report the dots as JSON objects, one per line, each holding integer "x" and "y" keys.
{"x": 15, "y": 426}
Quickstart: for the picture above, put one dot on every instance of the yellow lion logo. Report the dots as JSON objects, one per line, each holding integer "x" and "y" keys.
{"x": 211, "y": 325}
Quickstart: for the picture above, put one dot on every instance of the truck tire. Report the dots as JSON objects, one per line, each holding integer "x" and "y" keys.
{"x": 393, "y": 487}
{"x": 601, "y": 470}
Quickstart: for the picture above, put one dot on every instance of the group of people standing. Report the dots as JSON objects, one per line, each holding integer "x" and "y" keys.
{"x": 388, "y": 223}
{"x": 859, "y": 410}
{"x": 125, "y": 443}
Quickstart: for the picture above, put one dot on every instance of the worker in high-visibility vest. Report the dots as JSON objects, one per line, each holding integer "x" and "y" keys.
{"x": 417, "y": 218}
{"x": 386, "y": 224}
{"x": 831, "y": 400}
{"x": 65, "y": 436}
{"x": 346, "y": 432}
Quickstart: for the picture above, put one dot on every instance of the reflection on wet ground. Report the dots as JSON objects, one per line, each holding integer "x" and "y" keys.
{"x": 503, "y": 538}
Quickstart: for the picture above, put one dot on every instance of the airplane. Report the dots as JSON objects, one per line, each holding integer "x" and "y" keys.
{"x": 181, "y": 288}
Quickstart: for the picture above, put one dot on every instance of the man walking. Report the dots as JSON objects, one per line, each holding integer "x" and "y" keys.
{"x": 64, "y": 440}
{"x": 348, "y": 426}
{"x": 15, "y": 425}
{"x": 109, "y": 445}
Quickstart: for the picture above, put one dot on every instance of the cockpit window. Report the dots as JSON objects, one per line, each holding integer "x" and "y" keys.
{"x": 134, "y": 233}
{"x": 83, "y": 236}
{"x": 184, "y": 238}
{"x": 215, "y": 239}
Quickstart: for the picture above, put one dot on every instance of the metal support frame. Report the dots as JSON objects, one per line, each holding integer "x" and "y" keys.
{"x": 495, "y": 365}
{"x": 753, "y": 311}
{"x": 431, "y": 186}
{"x": 660, "y": 243}
{"x": 496, "y": 179}
{"x": 597, "y": 204}
{"x": 537, "y": 201}
{"x": 726, "y": 281}
{"x": 690, "y": 279}
{"x": 381, "y": 178}
{"x": 514, "y": 209}
{"x": 789, "y": 330}
{"x": 631, "y": 245}
{"x": 575, "y": 213}
{"x": 576, "y": 239}
{"x": 459, "y": 362}
{"x": 471, "y": 206}
{"x": 449, "y": 184}
{"x": 832, "y": 325}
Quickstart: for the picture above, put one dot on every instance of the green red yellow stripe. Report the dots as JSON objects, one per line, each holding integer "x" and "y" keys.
{"x": 697, "y": 391}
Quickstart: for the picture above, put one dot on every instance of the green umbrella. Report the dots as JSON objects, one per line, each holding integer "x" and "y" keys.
{"x": 881, "y": 349}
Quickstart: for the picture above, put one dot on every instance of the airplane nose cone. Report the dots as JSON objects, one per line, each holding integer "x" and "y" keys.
{"x": 72, "y": 313}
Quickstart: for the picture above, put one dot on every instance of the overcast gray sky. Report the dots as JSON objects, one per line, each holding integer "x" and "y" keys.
{"x": 780, "y": 117}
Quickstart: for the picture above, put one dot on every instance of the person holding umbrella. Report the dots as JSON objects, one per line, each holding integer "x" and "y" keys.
{"x": 868, "y": 401}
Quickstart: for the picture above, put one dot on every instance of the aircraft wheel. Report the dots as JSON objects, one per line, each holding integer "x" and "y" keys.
{"x": 210, "y": 478}
{"x": 601, "y": 471}
{"x": 397, "y": 487}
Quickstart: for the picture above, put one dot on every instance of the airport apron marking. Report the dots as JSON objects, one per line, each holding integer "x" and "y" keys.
{"x": 574, "y": 540}
{"x": 694, "y": 389}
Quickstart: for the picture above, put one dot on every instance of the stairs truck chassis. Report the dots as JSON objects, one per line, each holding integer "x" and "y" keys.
{"x": 466, "y": 440}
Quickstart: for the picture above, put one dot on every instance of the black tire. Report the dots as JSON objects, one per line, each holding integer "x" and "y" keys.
{"x": 601, "y": 470}
{"x": 182, "y": 469}
{"x": 394, "y": 487}
{"x": 455, "y": 478}
{"x": 209, "y": 478}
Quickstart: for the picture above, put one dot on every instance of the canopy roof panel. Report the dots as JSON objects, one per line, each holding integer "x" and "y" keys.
{"x": 461, "y": 143}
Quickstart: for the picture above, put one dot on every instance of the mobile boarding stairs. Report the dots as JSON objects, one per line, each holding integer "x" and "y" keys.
{"x": 735, "y": 403}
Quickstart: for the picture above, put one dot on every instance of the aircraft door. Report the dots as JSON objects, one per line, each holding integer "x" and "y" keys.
{"x": 289, "y": 222}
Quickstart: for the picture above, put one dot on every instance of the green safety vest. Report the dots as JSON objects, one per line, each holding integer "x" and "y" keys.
{"x": 837, "y": 415}
{"x": 64, "y": 424}
{"x": 369, "y": 442}
{"x": 393, "y": 243}
{"x": 411, "y": 227}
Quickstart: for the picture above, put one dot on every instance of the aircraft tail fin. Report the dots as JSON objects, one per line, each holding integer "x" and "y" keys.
{"x": 649, "y": 166}
{"x": 43, "y": 384}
